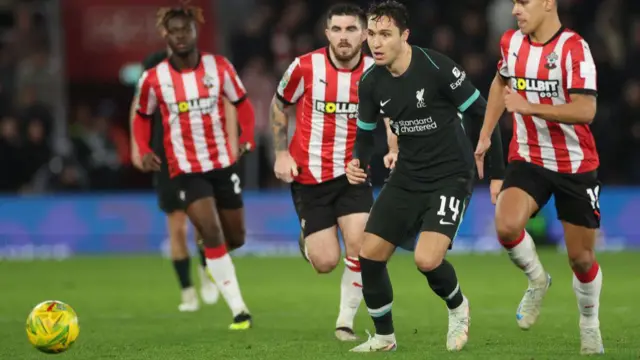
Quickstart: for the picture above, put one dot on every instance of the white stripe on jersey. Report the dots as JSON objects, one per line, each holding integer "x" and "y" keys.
{"x": 197, "y": 123}
{"x": 544, "y": 137}
{"x": 576, "y": 155}
{"x": 211, "y": 69}
{"x": 340, "y": 140}
{"x": 521, "y": 129}
{"x": 317, "y": 118}
{"x": 169, "y": 95}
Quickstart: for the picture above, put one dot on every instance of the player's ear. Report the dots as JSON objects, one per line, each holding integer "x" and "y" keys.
{"x": 405, "y": 35}
{"x": 549, "y": 5}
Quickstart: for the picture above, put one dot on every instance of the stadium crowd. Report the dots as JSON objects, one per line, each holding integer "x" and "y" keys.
{"x": 273, "y": 33}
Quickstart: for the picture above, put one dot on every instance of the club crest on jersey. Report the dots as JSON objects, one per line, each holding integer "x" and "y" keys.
{"x": 420, "y": 97}
{"x": 329, "y": 107}
{"x": 552, "y": 60}
{"x": 544, "y": 88}
{"x": 208, "y": 81}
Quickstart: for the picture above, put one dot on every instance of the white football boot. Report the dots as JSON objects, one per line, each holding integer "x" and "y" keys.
{"x": 531, "y": 303}
{"x": 459, "y": 321}
{"x": 377, "y": 343}
{"x": 190, "y": 301}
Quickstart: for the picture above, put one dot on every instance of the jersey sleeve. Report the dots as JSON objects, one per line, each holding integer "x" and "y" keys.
{"x": 368, "y": 108}
{"x": 453, "y": 82}
{"x": 232, "y": 86}
{"x": 580, "y": 69}
{"x": 503, "y": 65}
{"x": 146, "y": 100}
{"x": 291, "y": 86}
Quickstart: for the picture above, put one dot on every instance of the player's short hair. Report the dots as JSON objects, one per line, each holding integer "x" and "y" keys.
{"x": 393, "y": 10}
{"x": 165, "y": 14}
{"x": 348, "y": 10}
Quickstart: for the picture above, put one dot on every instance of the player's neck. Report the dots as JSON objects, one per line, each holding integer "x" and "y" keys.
{"x": 186, "y": 62}
{"x": 547, "y": 30}
{"x": 401, "y": 64}
{"x": 345, "y": 65}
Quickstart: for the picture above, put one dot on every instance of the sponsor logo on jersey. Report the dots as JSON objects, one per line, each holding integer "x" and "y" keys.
{"x": 205, "y": 106}
{"x": 544, "y": 88}
{"x": 412, "y": 126}
{"x": 461, "y": 76}
{"x": 345, "y": 108}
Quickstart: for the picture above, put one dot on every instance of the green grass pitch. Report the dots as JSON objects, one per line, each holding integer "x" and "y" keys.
{"x": 127, "y": 308}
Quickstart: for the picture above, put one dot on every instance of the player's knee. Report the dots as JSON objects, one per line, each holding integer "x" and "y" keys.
{"x": 581, "y": 260}
{"x": 427, "y": 262}
{"x": 324, "y": 264}
{"x": 236, "y": 238}
{"x": 211, "y": 235}
{"x": 508, "y": 228}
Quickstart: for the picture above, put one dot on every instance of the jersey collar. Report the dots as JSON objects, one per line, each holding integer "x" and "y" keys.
{"x": 327, "y": 52}
{"x": 175, "y": 68}
{"x": 560, "y": 31}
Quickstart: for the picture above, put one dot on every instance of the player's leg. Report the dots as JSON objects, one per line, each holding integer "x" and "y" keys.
{"x": 440, "y": 224}
{"x": 228, "y": 195}
{"x": 197, "y": 191}
{"x": 525, "y": 191}
{"x": 579, "y": 212}
{"x": 208, "y": 289}
{"x": 177, "y": 229}
{"x": 352, "y": 209}
{"x": 319, "y": 236}
{"x": 391, "y": 218}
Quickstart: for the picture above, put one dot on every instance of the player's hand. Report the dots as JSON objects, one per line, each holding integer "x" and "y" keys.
{"x": 515, "y": 103}
{"x": 494, "y": 188}
{"x": 136, "y": 160}
{"x": 355, "y": 174}
{"x": 150, "y": 162}
{"x": 484, "y": 143}
{"x": 390, "y": 159}
{"x": 285, "y": 167}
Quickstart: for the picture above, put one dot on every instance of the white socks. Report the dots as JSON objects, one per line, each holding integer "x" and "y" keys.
{"x": 350, "y": 292}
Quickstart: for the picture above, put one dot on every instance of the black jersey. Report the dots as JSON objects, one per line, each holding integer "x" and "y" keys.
{"x": 424, "y": 106}
{"x": 157, "y": 131}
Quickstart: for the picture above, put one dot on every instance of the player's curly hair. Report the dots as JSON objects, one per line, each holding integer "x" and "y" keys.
{"x": 391, "y": 9}
{"x": 165, "y": 14}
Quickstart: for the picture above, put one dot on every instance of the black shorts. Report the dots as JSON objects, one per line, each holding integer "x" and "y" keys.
{"x": 399, "y": 215}
{"x": 576, "y": 195}
{"x": 222, "y": 184}
{"x": 167, "y": 193}
{"x": 319, "y": 206}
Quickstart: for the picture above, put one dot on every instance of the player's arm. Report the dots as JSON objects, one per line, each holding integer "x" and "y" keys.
{"x": 392, "y": 139}
{"x": 289, "y": 91}
{"x": 235, "y": 92}
{"x": 368, "y": 113}
{"x": 455, "y": 85}
{"x": 135, "y": 152}
{"x": 581, "y": 84}
{"x": 231, "y": 126}
{"x": 144, "y": 103}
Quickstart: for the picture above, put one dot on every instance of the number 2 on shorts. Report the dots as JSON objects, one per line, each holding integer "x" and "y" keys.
{"x": 235, "y": 179}
{"x": 454, "y": 207}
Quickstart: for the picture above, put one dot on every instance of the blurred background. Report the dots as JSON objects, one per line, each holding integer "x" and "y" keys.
{"x": 67, "y": 75}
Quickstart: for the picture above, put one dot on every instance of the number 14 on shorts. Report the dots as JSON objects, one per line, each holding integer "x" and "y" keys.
{"x": 449, "y": 210}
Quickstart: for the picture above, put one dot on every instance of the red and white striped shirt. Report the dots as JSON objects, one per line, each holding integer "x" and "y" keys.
{"x": 191, "y": 104}
{"x": 326, "y": 114}
{"x": 548, "y": 74}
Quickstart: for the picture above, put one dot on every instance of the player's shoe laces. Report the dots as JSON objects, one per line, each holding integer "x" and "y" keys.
{"x": 377, "y": 343}
{"x": 242, "y": 321}
{"x": 190, "y": 301}
{"x": 591, "y": 341}
{"x": 531, "y": 302}
{"x": 345, "y": 334}
{"x": 458, "y": 332}
{"x": 208, "y": 290}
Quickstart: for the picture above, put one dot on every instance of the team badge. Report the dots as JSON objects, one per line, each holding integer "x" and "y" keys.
{"x": 208, "y": 81}
{"x": 552, "y": 60}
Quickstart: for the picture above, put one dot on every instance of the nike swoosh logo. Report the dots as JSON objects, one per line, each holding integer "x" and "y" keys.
{"x": 323, "y": 81}
{"x": 384, "y": 103}
{"x": 442, "y": 222}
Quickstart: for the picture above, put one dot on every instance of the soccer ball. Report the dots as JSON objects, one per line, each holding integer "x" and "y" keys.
{"x": 52, "y": 327}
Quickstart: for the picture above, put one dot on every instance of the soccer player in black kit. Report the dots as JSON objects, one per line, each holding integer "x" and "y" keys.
{"x": 422, "y": 92}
